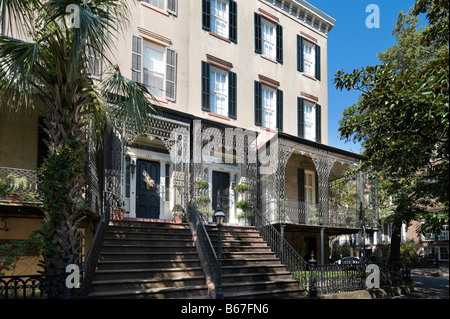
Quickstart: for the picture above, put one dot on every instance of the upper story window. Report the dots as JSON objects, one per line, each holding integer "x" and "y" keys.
{"x": 219, "y": 91}
{"x": 269, "y": 98}
{"x": 308, "y": 57}
{"x": 268, "y": 37}
{"x": 219, "y": 87}
{"x": 171, "y": 6}
{"x": 309, "y": 120}
{"x": 220, "y": 17}
{"x": 268, "y": 105}
{"x": 156, "y": 67}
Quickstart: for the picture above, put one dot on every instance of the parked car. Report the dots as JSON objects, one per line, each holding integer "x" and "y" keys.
{"x": 348, "y": 261}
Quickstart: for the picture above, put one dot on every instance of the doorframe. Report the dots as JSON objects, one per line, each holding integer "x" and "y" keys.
{"x": 163, "y": 159}
{"x": 235, "y": 176}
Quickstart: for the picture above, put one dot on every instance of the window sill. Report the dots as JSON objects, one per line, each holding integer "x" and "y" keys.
{"x": 271, "y": 130}
{"x": 219, "y": 37}
{"x": 309, "y": 76}
{"x": 269, "y": 59}
{"x": 223, "y": 117}
{"x": 149, "y": 6}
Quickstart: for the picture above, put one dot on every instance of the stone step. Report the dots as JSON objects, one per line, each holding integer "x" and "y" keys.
{"x": 267, "y": 294}
{"x": 174, "y": 255}
{"x": 255, "y": 277}
{"x": 147, "y": 264}
{"x": 117, "y": 274}
{"x": 259, "y": 286}
{"x": 254, "y": 269}
{"x": 188, "y": 292}
{"x": 135, "y": 284}
{"x": 251, "y": 261}
{"x": 148, "y": 241}
{"x": 148, "y": 248}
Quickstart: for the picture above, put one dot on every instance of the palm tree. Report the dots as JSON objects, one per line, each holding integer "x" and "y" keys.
{"x": 44, "y": 65}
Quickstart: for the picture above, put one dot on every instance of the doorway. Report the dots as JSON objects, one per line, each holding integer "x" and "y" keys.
{"x": 147, "y": 186}
{"x": 221, "y": 193}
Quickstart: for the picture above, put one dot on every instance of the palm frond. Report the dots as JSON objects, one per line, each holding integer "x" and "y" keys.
{"x": 126, "y": 100}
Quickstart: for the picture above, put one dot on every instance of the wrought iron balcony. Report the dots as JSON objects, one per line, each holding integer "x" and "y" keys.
{"x": 325, "y": 214}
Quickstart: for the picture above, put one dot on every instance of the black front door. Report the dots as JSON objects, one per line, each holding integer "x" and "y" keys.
{"x": 221, "y": 192}
{"x": 147, "y": 186}
{"x": 310, "y": 248}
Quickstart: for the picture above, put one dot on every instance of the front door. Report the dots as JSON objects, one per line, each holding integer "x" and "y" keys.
{"x": 147, "y": 186}
{"x": 310, "y": 248}
{"x": 221, "y": 192}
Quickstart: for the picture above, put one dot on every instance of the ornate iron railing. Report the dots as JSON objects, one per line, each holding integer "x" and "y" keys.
{"x": 19, "y": 186}
{"x": 338, "y": 278}
{"x": 206, "y": 246}
{"x": 283, "y": 250}
{"x": 31, "y": 287}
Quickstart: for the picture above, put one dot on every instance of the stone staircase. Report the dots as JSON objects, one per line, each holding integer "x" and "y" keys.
{"x": 250, "y": 269}
{"x": 151, "y": 260}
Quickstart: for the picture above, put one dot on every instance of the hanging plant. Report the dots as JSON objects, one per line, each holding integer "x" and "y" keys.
{"x": 202, "y": 184}
{"x": 241, "y": 188}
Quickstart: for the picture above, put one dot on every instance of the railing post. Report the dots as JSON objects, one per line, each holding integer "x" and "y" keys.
{"x": 312, "y": 270}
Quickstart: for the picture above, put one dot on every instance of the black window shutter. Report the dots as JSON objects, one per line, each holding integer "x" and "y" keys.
{"x": 258, "y": 35}
{"x": 206, "y": 15}
{"x": 301, "y": 117}
{"x": 318, "y": 123}
{"x": 279, "y": 43}
{"x": 280, "y": 110}
{"x": 232, "y": 90}
{"x": 258, "y": 103}
{"x": 317, "y": 49}
{"x": 205, "y": 86}
{"x": 301, "y": 185}
{"x": 300, "y": 53}
{"x": 233, "y": 21}
{"x": 136, "y": 59}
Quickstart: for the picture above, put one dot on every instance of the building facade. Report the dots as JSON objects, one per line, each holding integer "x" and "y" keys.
{"x": 241, "y": 88}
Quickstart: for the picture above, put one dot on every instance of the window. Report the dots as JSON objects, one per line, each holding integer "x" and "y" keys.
{"x": 269, "y": 96}
{"x": 94, "y": 63}
{"x": 157, "y": 3}
{"x": 219, "y": 89}
{"x": 268, "y": 38}
{"x": 156, "y": 67}
{"x": 308, "y": 57}
{"x": 309, "y": 186}
{"x": 268, "y": 35}
{"x": 268, "y": 106}
{"x": 309, "y": 120}
{"x": 443, "y": 253}
{"x": 171, "y": 6}
{"x": 220, "y": 17}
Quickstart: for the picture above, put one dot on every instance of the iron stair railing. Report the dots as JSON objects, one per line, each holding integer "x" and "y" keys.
{"x": 288, "y": 255}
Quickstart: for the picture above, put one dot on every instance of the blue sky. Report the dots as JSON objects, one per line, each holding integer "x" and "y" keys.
{"x": 352, "y": 45}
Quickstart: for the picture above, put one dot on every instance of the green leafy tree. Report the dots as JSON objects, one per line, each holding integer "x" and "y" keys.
{"x": 44, "y": 65}
{"x": 401, "y": 117}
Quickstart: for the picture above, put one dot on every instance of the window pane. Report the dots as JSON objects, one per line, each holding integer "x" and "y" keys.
{"x": 219, "y": 91}
{"x": 269, "y": 97}
{"x": 219, "y": 17}
{"x": 310, "y": 121}
{"x": 309, "y": 54}
{"x": 157, "y": 3}
{"x": 268, "y": 34}
{"x": 154, "y": 68}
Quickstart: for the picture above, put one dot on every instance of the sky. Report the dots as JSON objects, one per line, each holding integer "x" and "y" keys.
{"x": 351, "y": 45}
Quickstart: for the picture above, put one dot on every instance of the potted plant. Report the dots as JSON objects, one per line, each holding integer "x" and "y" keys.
{"x": 2, "y": 188}
{"x": 118, "y": 210}
{"x": 16, "y": 194}
{"x": 178, "y": 213}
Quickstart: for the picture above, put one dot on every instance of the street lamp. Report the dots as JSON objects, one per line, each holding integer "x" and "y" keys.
{"x": 220, "y": 216}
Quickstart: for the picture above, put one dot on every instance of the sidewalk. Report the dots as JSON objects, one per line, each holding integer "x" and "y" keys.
{"x": 433, "y": 272}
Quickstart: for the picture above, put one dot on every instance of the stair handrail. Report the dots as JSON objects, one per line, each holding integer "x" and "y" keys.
{"x": 293, "y": 261}
{"x": 204, "y": 241}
